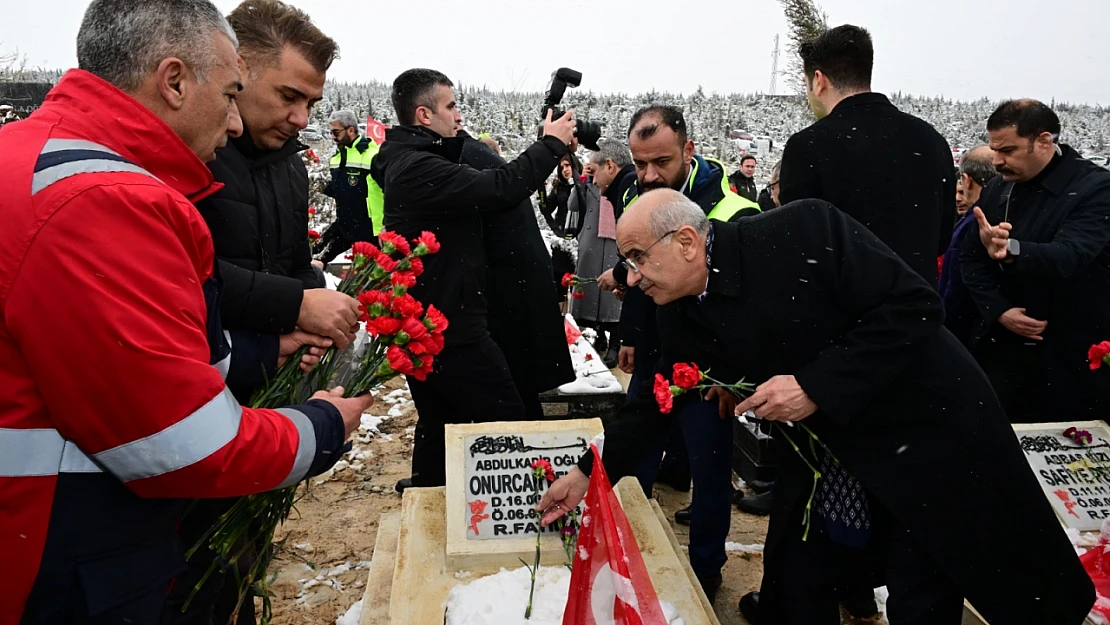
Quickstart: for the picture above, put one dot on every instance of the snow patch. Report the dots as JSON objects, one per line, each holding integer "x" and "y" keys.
{"x": 352, "y": 615}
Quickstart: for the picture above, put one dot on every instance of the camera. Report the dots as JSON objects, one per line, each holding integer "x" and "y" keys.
{"x": 588, "y": 132}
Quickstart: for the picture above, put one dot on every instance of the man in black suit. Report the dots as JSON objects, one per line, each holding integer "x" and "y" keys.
{"x": 427, "y": 189}
{"x": 843, "y": 338}
{"x": 889, "y": 170}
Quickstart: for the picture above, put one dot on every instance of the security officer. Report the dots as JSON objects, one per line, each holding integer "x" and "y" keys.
{"x": 358, "y": 198}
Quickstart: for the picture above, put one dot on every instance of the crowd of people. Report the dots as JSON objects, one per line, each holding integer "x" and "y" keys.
{"x": 901, "y": 314}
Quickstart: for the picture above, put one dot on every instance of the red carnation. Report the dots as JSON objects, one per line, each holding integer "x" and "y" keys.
{"x": 404, "y": 279}
{"x": 435, "y": 321}
{"x": 385, "y": 262}
{"x": 686, "y": 376}
{"x": 391, "y": 241}
{"x": 663, "y": 394}
{"x": 311, "y": 210}
{"x": 568, "y": 279}
{"x": 383, "y": 326}
{"x": 399, "y": 361}
{"x": 416, "y": 266}
{"x": 1098, "y": 353}
{"x": 406, "y": 306}
{"x": 421, "y": 371}
{"x": 426, "y": 243}
{"x": 544, "y": 468}
{"x": 361, "y": 252}
{"x": 579, "y": 294}
{"x": 313, "y": 236}
{"x": 373, "y": 304}
{"x": 414, "y": 328}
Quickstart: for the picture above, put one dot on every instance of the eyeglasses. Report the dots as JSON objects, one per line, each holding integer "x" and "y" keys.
{"x": 634, "y": 260}
{"x": 336, "y": 133}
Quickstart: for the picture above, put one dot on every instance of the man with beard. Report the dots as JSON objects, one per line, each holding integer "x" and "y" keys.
{"x": 358, "y": 199}
{"x": 663, "y": 155}
{"x": 844, "y": 340}
{"x": 1040, "y": 277}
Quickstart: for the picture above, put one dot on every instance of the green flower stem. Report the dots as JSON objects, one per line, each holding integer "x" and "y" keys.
{"x": 537, "y": 475}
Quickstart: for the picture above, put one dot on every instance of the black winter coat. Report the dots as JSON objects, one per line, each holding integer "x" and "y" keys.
{"x": 524, "y": 317}
{"x": 744, "y": 186}
{"x": 259, "y": 224}
{"x": 426, "y": 188}
{"x": 806, "y": 291}
{"x": 889, "y": 170}
{"x": 1062, "y": 276}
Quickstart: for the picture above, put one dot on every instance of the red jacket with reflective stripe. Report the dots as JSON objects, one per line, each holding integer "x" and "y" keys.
{"x": 103, "y": 325}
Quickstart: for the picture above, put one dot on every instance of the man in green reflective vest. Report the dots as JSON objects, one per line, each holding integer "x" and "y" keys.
{"x": 358, "y": 199}
{"x": 664, "y": 158}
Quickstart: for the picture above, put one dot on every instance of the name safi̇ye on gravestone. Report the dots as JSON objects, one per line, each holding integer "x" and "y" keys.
{"x": 491, "y": 494}
{"x": 1075, "y": 476}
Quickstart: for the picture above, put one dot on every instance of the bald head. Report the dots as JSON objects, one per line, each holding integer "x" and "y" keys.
{"x": 663, "y": 235}
{"x": 976, "y": 170}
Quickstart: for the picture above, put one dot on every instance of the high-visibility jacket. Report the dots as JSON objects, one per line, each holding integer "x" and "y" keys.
{"x": 113, "y": 402}
{"x": 358, "y": 199}
{"x": 707, "y": 186}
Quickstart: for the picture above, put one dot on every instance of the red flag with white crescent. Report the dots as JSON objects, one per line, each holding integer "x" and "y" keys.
{"x": 375, "y": 130}
{"x": 609, "y": 584}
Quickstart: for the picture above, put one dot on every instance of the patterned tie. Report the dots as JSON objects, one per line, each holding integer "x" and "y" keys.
{"x": 842, "y": 503}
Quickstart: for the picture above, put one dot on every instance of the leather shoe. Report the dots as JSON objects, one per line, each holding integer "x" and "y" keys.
{"x": 759, "y": 505}
{"x": 711, "y": 585}
{"x": 682, "y": 517}
{"x": 749, "y": 607}
{"x": 760, "y": 487}
{"x": 402, "y": 484}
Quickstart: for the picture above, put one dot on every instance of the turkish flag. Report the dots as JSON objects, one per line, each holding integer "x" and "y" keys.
{"x": 609, "y": 584}
{"x": 375, "y": 130}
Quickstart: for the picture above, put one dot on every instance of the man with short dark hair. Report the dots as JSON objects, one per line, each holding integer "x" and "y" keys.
{"x": 742, "y": 181}
{"x": 1038, "y": 269}
{"x": 358, "y": 199}
{"x": 115, "y": 368}
{"x": 960, "y": 314}
{"x": 900, "y": 184}
{"x": 427, "y": 189}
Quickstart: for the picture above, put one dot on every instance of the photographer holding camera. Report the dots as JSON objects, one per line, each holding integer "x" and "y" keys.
{"x": 427, "y": 188}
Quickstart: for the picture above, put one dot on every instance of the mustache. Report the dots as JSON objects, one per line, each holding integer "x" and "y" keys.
{"x": 1005, "y": 170}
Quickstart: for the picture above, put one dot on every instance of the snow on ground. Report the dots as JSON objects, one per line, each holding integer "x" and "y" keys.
{"x": 742, "y": 548}
{"x": 501, "y": 599}
{"x": 352, "y": 616}
{"x": 592, "y": 375}
{"x": 394, "y": 404}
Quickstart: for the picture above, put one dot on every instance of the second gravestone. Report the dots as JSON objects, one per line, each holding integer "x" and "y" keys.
{"x": 491, "y": 494}
{"x": 1074, "y": 474}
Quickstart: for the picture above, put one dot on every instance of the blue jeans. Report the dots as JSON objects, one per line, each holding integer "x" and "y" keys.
{"x": 709, "y": 447}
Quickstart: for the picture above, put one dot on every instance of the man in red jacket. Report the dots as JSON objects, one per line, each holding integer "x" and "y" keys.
{"x": 113, "y": 364}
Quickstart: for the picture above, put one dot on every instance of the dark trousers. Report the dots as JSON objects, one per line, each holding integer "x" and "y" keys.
{"x": 709, "y": 448}
{"x": 215, "y": 602}
{"x": 1011, "y": 364}
{"x": 823, "y": 573}
{"x": 470, "y": 384}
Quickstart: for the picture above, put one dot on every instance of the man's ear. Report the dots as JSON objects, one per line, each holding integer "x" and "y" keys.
{"x": 172, "y": 76}
{"x": 688, "y": 238}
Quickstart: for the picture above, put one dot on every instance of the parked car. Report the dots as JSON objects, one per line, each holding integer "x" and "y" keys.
{"x": 312, "y": 133}
{"x": 1101, "y": 161}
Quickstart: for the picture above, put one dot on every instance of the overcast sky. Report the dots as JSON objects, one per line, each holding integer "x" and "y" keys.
{"x": 961, "y": 49}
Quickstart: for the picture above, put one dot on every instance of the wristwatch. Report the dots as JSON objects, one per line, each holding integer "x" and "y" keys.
{"x": 1013, "y": 249}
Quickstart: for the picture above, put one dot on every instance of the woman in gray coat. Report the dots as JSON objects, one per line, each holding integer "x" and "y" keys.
{"x": 597, "y": 246}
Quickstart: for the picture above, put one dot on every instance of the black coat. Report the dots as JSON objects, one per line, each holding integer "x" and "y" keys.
{"x": 259, "y": 224}
{"x": 524, "y": 317}
{"x": 889, "y": 170}
{"x": 426, "y": 188}
{"x": 744, "y": 186}
{"x": 806, "y": 291}
{"x": 1062, "y": 276}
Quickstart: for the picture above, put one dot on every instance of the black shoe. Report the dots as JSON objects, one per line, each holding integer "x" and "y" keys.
{"x": 711, "y": 585}
{"x": 611, "y": 357}
{"x": 402, "y": 484}
{"x": 760, "y": 487}
{"x": 682, "y": 517}
{"x": 749, "y": 607}
{"x": 759, "y": 505}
